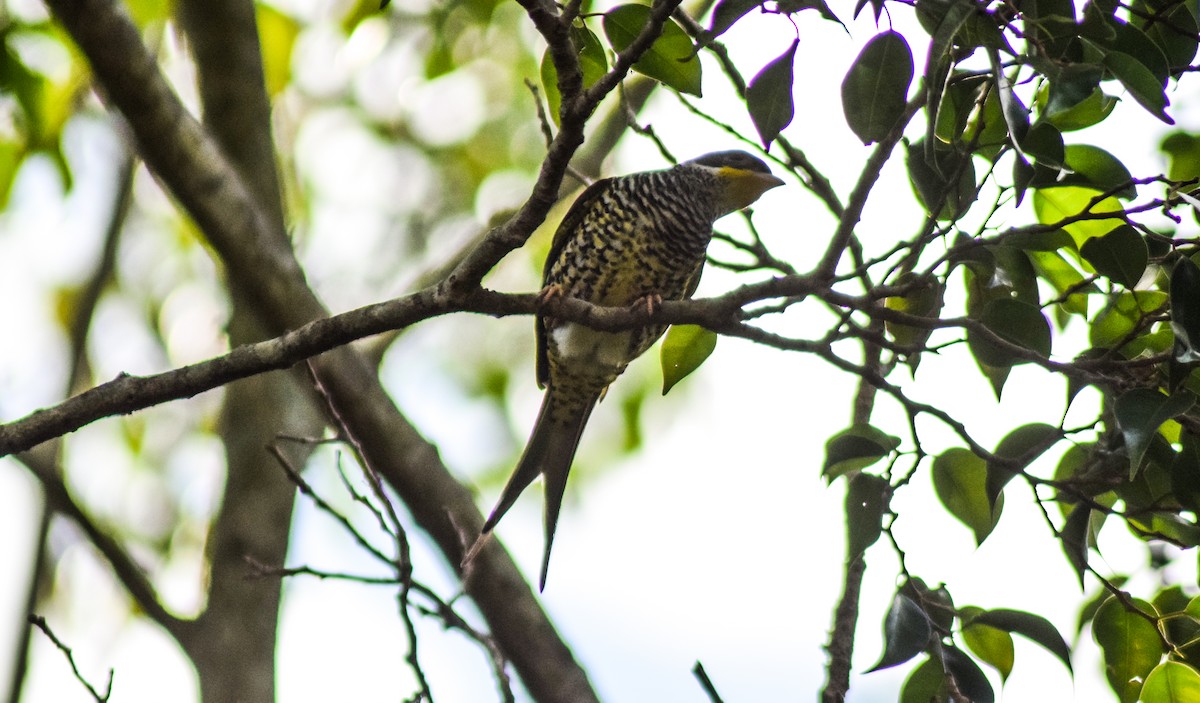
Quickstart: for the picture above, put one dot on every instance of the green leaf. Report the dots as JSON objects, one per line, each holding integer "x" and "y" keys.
{"x": 793, "y": 6}
{"x": 876, "y": 87}
{"x": 1033, "y": 627}
{"x": 593, "y": 64}
{"x": 1061, "y": 206}
{"x": 1185, "y": 473}
{"x": 924, "y": 299}
{"x": 925, "y": 684}
{"x": 1017, "y": 450}
{"x": 960, "y": 481}
{"x": 1066, "y": 280}
{"x": 1134, "y": 42}
{"x": 1141, "y": 83}
{"x": 1092, "y": 110}
{"x": 958, "y": 100}
{"x": 906, "y": 632}
{"x": 1014, "y": 321}
{"x": 1140, "y": 412}
{"x": 943, "y": 178}
{"x": 726, "y": 13}
{"x": 683, "y": 350}
{"x": 1171, "y": 26}
{"x": 672, "y": 59}
{"x": 866, "y": 501}
{"x": 769, "y": 96}
{"x": 968, "y": 677}
{"x": 854, "y": 448}
{"x": 1121, "y": 255}
{"x": 1171, "y": 682}
{"x": 1183, "y": 155}
{"x": 992, "y": 645}
{"x": 1123, "y": 315}
{"x": 1092, "y": 167}
{"x": 1185, "y": 311}
{"x": 1039, "y": 240}
{"x": 1074, "y": 537}
{"x": 1130, "y": 645}
{"x": 277, "y": 34}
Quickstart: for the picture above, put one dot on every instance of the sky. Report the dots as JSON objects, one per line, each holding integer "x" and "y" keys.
{"x": 717, "y": 542}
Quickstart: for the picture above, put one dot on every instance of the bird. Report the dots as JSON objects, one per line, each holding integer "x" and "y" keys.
{"x": 632, "y": 240}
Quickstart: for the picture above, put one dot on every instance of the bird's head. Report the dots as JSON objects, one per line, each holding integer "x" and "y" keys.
{"x": 743, "y": 178}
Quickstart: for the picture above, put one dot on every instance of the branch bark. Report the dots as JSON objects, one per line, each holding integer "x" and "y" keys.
{"x": 197, "y": 172}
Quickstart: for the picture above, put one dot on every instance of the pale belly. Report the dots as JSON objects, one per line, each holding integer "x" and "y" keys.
{"x": 591, "y": 352}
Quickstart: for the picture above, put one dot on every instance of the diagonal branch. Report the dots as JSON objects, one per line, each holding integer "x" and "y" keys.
{"x": 187, "y": 161}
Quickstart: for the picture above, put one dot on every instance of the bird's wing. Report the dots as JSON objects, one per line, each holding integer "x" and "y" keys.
{"x": 570, "y": 223}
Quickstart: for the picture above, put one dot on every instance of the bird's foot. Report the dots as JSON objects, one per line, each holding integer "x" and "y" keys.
{"x": 651, "y": 303}
{"x": 551, "y": 292}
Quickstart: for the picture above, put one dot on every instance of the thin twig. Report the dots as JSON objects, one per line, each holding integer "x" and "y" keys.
{"x": 40, "y": 623}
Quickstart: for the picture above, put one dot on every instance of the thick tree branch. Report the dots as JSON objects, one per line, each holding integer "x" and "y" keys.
{"x": 234, "y": 650}
{"x": 188, "y": 162}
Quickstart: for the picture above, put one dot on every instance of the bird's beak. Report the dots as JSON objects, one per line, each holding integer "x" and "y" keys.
{"x": 746, "y": 187}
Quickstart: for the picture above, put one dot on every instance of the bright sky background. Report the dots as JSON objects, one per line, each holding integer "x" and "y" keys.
{"x": 718, "y": 542}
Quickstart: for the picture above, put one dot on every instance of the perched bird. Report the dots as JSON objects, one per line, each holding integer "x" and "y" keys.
{"x": 631, "y": 240}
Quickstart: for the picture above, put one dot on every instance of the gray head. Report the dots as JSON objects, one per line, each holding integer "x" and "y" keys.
{"x": 741, "y": 177}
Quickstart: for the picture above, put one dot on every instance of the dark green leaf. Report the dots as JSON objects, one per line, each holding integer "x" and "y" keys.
{"x": 671, "y": 60}
{"x": 866, "y": 501}
{"x": 1141, "y": 83}
{"x": 1095, "y": 167}
{"x": 683, "y": 350}
{"x": 876, "y": 87}
{"x": 1185, "y": 310}
{"x": 769, "y": 96}
{"x": 960, "y": 481}
{"x": 1052, "y": 240}
{"x": 945, "y": 185}
{"x": 1034, "y": 627}
{"x": 1130, "y": 645}
{"x": 906, "y": 632}
{"x": 794, "y": 6}
{"x": 1092, "y": 110}
{"x": 924, "y": 300}
{"x": 1134, "y": 42}
{"x": 1051, "y": 27}
{"x": 958, "y": 100}
{"x": 968, "y": 677}
{"x": 1074, "y": 537}
{"x": 1014, "y": 321}
{"x": 1140, "y": 412}
{"x": 1121, "y": 255}
{"x": 855, "y": 448}
{"x": 1016, "y": 451}
{"x": 1185, "y": 473}
{"x": 1171, "y": 26}
{"x": 726, "y": 13}
{"x": 1015, "y": 114}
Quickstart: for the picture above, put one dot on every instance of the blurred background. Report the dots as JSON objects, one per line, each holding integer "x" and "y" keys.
{"x": 697, "y": 526}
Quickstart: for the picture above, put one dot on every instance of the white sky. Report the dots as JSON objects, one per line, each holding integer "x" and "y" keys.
{"x": 718, "y": 542}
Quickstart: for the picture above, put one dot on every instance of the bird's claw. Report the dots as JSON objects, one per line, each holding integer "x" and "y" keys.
{"x": 651, "y": 303}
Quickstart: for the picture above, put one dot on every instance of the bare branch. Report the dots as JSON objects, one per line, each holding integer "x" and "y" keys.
{"x": 40, "y": 623}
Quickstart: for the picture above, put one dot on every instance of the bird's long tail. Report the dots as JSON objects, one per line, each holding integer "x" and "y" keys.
{"x": 549, "y": 452}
